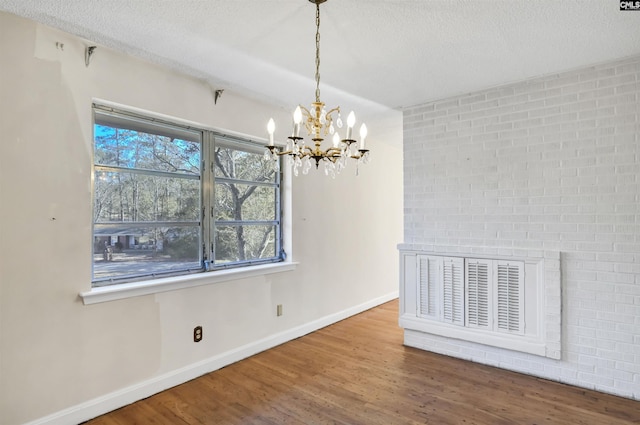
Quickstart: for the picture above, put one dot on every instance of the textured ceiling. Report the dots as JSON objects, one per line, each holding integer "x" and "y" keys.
{"x": 376, "y": 54}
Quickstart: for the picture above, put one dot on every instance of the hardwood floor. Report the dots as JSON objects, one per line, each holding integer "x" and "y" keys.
{"x": 358, "y": 372}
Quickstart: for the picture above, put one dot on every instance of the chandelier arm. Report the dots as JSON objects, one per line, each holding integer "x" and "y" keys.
{"x": 308, "y": 122}
{"x": 274, "y": 149}
{"x": 331, "y": 111}
{"x": 305, "y": 111}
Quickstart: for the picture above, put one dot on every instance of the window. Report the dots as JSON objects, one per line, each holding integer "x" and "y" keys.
{"x": 170, "y": 199}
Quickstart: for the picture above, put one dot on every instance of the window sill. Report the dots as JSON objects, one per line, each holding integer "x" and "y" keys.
{"x": 135, "y": 289}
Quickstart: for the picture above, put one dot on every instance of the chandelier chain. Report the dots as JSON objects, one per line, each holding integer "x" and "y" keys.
{"x": 317, "y": 52}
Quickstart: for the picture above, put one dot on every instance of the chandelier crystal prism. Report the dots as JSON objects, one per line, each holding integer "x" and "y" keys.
{"x": 319, "y": 123}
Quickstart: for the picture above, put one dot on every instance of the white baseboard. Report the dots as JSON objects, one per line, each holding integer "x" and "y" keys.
{"x": 112, "y": 401}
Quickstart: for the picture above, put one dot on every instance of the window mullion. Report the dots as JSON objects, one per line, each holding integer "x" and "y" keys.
{"x": 208, "y": 191}
{"x": 143, "y": 172}
{"x": 279, "y": 249}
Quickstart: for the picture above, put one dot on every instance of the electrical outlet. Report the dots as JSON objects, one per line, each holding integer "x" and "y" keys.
{"x": 279, "y": 310}
{"x": 197, "y": 334}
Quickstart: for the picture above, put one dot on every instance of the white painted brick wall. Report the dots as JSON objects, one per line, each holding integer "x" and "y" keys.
{"x": 550, "y": 164}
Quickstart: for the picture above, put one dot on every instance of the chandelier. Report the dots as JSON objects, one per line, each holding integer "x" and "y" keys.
{"x": 319, "y": 124}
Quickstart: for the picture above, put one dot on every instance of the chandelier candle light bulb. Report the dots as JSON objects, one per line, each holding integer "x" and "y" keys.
{"x": 271, "y": 127}
{"x": 297, "y": 119}
{"x": 318, "y": 121}
{"x": 363, "y": 135}
{"x": 351, "y": 120}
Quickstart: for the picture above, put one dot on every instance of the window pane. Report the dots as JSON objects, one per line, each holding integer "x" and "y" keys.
{"x": 238, "y": 205}
{"x": 241, "y": 165}
{"x": 244, "y": 202}
{"x": 139, "y": 251}
{"x": 244, "y": 243}
{"x": 146, "y": 172}
{"x": 121, "y": 196}
{"x": 134, "y": 149}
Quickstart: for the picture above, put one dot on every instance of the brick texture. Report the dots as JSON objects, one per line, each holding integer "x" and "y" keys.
{"x": 550, "y": 164}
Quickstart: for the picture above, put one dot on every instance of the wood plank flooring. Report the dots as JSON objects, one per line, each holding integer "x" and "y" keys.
{"x": 358, "y": 372}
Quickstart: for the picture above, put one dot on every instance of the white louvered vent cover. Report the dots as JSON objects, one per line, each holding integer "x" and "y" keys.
{"x": 423, "y": 286}
{"x": 453, "y": 288}
{"x": 479, "y": 293}
{"x": 509, "y": 304}
{"x": 478, "y": 298}
{"x": 428, "y": 286}
{"x": 475, "y": 293}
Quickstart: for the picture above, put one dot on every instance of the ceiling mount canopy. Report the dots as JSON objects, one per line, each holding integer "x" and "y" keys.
{"x": 319, "y": 123}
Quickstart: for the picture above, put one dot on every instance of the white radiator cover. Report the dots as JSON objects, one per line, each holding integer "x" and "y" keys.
{"x": 472, "y": 302}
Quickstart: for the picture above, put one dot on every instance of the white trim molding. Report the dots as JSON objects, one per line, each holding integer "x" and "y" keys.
{"x": 122, "y": 397}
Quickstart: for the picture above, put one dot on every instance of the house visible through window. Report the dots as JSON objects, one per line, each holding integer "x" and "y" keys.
{"x": 170, "y": 199}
